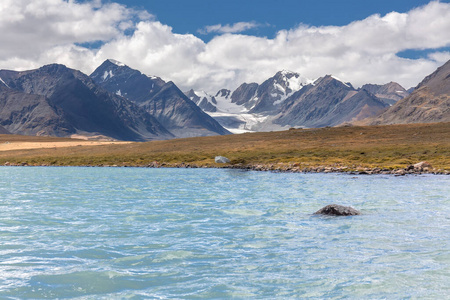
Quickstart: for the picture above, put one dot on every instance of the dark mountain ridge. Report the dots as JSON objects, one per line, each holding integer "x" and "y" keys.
{"x": 163, "y": 100}
{"x": 328, "y": 102}
{"x": 390, "y": 92}
{"x": 124, "y": 81}
{"x": 55, "y": 100}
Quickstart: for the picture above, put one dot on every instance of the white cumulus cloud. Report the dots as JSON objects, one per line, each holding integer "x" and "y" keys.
{"x": 32, "y": 29}
{"x": 37, "y": 32}
{"x": 234, "y": 28}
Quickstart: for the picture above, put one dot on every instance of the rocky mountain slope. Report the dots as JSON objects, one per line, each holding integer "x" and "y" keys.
{"x": 29, "y": 114}
{"x": 4, "y": 131}
{"x": 163, "y": 100}
{"x": 428, "y": 103}
{"x": 58, "y": 101}
{"x": 328, "y": 102}
{"x": 206, "y": 102}
{"x": 390, "y": 92}
{"x": 271, "y": 94}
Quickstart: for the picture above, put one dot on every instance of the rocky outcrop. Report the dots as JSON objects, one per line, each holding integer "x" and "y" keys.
{"x": 420, "y": 167}
{"x": 337, "y": 210}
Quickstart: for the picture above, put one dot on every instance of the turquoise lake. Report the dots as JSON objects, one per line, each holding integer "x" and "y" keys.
{"x": 132, "y": 233}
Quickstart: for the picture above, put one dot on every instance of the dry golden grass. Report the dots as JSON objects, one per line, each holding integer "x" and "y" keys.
{"x": 392, "y": 146}
{"x": 42, "y": 144}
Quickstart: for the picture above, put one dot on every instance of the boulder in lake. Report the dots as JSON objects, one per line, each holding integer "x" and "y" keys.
{"x": 337, "y": 210}
{"x": 221, "y": 160}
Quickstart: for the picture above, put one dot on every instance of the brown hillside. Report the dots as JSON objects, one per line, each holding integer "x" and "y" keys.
{"x": 430, "y": 102}
{"x": 391, "y": 146}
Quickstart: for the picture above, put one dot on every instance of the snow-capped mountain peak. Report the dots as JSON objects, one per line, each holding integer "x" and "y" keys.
{"x": 347, "y": 84}
{"x": 285, "y": 83}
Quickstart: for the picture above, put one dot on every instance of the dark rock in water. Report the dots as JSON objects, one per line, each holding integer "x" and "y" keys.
{"x": 337, "y": 210}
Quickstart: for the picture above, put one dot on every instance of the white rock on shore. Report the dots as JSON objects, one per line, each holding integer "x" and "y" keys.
{"x": 221, "y": 160}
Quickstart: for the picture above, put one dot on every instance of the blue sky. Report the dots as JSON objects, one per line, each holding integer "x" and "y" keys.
{"x": 188, "y": 16}
{"x": 213, "y": 44}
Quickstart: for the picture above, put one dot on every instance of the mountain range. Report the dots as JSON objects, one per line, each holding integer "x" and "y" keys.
{"x": 118, "y": 102}
{"x": 289, "y": 100}
{"x": 57, "y": 101}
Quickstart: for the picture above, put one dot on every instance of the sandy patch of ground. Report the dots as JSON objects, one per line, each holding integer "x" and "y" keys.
{"x": 8, "y": 146}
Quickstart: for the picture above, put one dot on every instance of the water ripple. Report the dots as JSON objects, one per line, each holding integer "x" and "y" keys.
{"x": 114, "y": 233}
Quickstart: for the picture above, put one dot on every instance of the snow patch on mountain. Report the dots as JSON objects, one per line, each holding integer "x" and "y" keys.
{"x": 294, "y": 80}
{"x": 224, "y": 104}
{"x": 239, "y": 122}
{"x": 116, "y": 62}
{"x": 233, "y": 117}
{"x": 204, "y": 95}
{"x": 3, "y": 82}
{"x": 346, "y": 84}
{"x": 108, "y": 74}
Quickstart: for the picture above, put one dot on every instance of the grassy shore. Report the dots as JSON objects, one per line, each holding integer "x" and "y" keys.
{"x": 350, "y": 148}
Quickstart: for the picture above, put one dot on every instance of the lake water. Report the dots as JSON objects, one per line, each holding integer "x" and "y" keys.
{"x": 114, "y": 233}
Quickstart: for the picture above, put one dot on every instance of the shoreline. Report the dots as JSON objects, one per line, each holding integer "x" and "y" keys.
{"x": 275, "y": 168}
